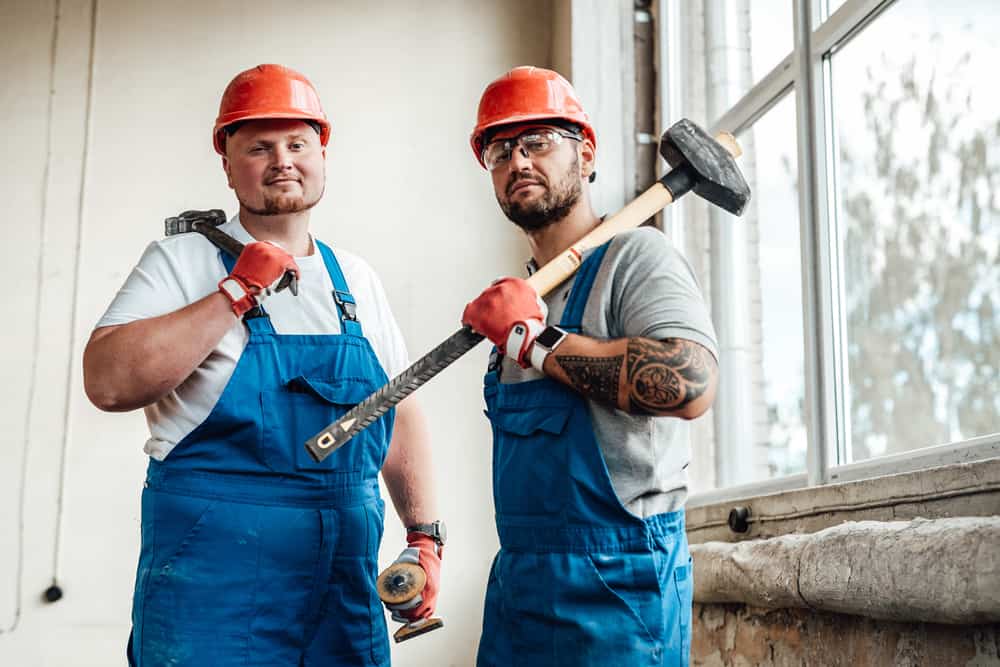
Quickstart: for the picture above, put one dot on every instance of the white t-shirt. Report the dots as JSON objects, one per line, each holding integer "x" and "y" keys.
{"x": 179, "y": 270}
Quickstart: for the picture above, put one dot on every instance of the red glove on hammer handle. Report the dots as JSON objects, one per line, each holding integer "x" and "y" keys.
{"x": 503, "y": 305}
{"x": 260, "y": 265}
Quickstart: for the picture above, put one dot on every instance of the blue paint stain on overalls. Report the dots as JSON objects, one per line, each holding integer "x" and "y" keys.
{"x": 253, "y": 553}
{"x": 578, "y": 580}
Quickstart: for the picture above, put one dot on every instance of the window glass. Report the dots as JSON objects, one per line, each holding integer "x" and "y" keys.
{"x": 767, "y": 360}
{"x": 918, "y": 175}
{"x": 833, "y": 5}
{"x": 780, "y": 446}
{"x": 771, "y": 36}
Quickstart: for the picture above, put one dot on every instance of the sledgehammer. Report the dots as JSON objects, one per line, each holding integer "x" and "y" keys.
{"x": 700, "y": 163}
{"x": 206, "y": 224}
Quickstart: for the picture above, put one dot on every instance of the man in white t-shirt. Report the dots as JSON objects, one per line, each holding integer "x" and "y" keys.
{"x": 252, "y": 552}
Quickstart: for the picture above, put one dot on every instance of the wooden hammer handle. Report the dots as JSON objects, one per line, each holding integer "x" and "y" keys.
{"x": 566, "y": 263}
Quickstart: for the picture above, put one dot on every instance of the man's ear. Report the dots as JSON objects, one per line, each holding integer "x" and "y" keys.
{"x": 229, "y": 175}
{"x": 588, "y": 159}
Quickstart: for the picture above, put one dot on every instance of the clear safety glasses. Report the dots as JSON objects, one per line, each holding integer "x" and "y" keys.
{"x": 532, "y": 143}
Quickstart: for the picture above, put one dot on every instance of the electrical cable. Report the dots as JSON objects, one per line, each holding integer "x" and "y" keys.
{"x": 35, "y": 343}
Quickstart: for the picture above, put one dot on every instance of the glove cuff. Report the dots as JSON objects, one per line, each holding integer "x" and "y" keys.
{"x": 416, "y": 540}
{"x": 241, "y": 299}
{"x": 519, "y": 341}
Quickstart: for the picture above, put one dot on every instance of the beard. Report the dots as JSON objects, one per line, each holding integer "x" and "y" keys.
{"x": 282, "y": 204}
{"x": 554, "y": 204}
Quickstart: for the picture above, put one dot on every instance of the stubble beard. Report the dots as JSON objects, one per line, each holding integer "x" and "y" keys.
{"x": 554, "y": 205}
{"x": 282, "y": 204}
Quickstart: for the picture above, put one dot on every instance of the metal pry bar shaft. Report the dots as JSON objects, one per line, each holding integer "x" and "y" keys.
{"x": 367, "y": 411}
{"x": 206, "y": 223}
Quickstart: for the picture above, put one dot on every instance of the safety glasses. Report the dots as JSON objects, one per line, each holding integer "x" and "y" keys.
{"x": 531, "y": 143}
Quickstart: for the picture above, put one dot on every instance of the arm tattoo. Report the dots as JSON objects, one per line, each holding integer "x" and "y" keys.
{"x": 596, "y": 377}
{"x": 666, "y": 375}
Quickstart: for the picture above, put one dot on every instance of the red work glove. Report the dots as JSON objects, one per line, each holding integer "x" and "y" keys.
{"x": 423, "y": 550}
{"x": 260, "y": 265}
{"x": 510, "y": 313}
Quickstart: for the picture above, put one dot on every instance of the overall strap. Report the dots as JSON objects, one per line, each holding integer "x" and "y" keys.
{"x": 573, "y": 313}
{"x": 256, "y": 319}
{"x": 347, "y": 309}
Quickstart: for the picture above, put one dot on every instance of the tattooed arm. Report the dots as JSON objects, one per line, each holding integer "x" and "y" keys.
{"x": 669, "y": 378}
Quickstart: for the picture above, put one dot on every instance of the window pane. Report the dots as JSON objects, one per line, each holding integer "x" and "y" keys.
{"x": 833, "y": 5}
{"x": 770, "y": 35}
{"x": 918, "y": 170}
{"x": 780, "y": 446}
{"x": 761, "y": 434}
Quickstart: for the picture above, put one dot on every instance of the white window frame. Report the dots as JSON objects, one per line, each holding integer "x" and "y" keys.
{"x": 806, "y": 73}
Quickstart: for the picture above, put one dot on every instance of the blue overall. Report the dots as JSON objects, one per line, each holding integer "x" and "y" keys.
{"x": 578, "y": 580}
{"x": 253, "y": 553}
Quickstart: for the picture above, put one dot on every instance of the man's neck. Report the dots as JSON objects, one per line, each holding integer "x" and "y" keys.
{"x": 548, "y": 242}
{"x": 290, "y": 231}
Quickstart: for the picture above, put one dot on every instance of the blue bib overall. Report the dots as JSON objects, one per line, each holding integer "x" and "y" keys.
{"x": 578, "y": 580}
{"x": 253, "y": 553}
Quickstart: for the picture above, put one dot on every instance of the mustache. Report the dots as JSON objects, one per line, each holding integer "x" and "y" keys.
{"x": 521, "y": 177}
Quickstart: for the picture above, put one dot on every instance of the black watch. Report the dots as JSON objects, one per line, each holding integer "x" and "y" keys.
{"x": 436, "y": 531}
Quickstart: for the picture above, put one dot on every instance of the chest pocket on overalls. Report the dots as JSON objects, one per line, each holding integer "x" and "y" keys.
{"x": 531, "y": 459}
{"x": 302, "y": 408}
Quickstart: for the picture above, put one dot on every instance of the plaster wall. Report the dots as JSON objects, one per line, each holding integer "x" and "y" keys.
{"x": 109, "y": 106}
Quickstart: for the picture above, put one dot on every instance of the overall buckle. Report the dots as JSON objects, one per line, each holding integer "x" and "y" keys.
{"x": 345, "y": 302}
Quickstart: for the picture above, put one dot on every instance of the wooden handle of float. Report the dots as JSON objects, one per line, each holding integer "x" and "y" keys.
{"x": 645, "y": 206}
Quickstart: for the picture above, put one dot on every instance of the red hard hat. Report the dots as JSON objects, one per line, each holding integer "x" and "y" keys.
{"x": 524, "y": 94}
{"x": 268, "y": 91}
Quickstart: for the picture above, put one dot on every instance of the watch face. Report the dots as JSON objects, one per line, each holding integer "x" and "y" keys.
{"x": 549, "y": 337}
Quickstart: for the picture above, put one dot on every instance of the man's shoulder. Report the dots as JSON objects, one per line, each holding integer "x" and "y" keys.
{"x": 357, "y": 271}
{"x": 640, "y": 240}
{"x": 639, "y": 250}
{"x": 187, "y": 245}
{"x": 349, "y": 260}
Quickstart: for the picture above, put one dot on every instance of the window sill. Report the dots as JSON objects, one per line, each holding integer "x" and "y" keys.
{"x": 934, "y": 483}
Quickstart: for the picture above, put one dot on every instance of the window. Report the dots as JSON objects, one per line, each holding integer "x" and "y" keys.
{"x": 916, "y": 174}
{"x": 864, "y": 322}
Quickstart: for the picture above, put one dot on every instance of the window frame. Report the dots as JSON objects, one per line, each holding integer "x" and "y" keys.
{"x": 806, "y": 73}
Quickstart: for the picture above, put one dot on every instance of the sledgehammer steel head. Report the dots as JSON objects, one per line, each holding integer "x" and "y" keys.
{"x": 709, "y": 166}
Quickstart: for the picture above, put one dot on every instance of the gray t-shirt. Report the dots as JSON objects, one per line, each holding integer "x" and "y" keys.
{"x": 643, "y": 288}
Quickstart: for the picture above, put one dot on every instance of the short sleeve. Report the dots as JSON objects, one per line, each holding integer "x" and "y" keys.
{"x": 151, "y": 289}
{"x": 654, "y": 292}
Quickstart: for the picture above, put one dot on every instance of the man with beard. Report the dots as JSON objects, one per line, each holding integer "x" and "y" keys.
{"x": 588, "y": 413}
{"x": 253, "y": 553}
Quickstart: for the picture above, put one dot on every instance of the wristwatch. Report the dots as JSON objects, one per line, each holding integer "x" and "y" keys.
{"x": 436, "y": 531}
{"x": 545, "y": 344}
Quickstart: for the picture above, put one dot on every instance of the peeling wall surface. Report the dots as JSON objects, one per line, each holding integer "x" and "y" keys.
{"x": 738, "y": 635}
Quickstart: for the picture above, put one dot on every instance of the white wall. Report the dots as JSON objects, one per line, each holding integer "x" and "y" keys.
{"x": 94, "y": 166}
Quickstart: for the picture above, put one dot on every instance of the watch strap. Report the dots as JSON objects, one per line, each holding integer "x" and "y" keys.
{"x": 434, "y": 530}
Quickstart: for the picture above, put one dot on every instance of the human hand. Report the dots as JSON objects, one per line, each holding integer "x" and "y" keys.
{"x": 511, "y": 314}
{"x": 424, "y": 551}
{"x": 259, "y": 267}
